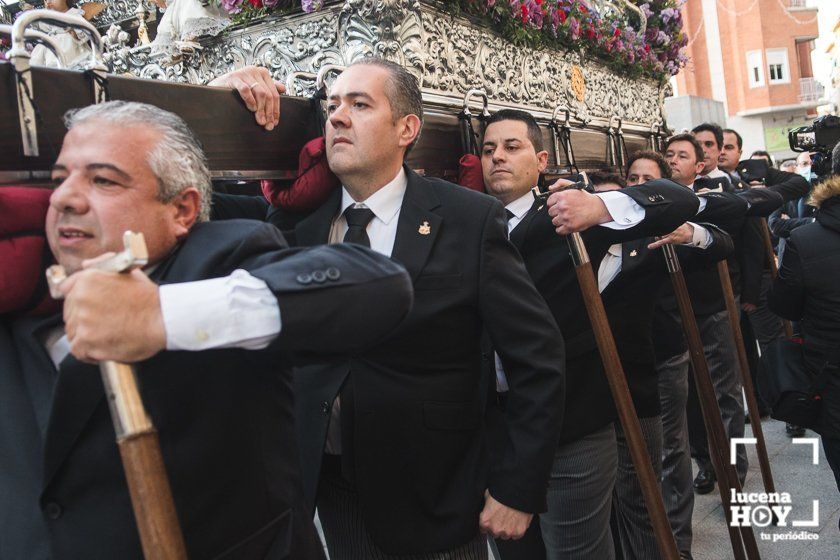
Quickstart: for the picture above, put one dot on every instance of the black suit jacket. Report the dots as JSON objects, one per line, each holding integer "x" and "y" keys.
{"x": 630, "y": 301}
{"x": 589, "y": 404}
{"x": 225, "y": 417}
{"x": 419, "y": 446}
{"x": 807, "y": 290}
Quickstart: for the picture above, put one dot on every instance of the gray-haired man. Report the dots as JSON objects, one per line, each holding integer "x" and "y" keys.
{"x": 224, "y": 415}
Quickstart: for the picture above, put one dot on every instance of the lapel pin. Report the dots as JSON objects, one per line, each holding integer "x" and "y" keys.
{"x": 424, "y": 229}
{"x": 633, "y": 253}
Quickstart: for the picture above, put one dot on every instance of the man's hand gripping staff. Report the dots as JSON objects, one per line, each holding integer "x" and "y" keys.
{"x": 151, "y": 496}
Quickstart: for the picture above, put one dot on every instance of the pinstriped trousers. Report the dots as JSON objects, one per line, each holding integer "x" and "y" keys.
{"x": 677, "y": 491}
{"x": 348, "y": 539}
{"x": 577, "y": 523}
{"x": 635, "y": 531}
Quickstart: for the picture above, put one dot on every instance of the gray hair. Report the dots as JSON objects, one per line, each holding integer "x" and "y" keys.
{"x": 177, "y": 160}
{"x": 402, "y": 90}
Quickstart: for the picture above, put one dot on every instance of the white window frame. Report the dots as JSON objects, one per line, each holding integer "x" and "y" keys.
{"x": 778, "y": 57}
{"x": 755, "y": 65}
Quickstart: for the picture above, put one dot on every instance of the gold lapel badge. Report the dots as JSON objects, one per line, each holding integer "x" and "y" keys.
{"x": 633, "y": 253}
{"x": 424, "y": 229}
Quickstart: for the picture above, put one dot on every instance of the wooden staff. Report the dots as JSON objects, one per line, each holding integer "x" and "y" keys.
{"x": 651, "y": 489}
{"x": 148, "y": 484}
{"x": 774, "y": 269}
{"x": 746, "y": 377}
{"x": 743, "y": 538}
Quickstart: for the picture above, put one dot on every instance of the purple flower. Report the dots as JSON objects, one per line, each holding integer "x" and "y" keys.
{"x": 270, "y": 3}
{"x": 310, "y": 6}
{"x": 574, "y": 28}
{"x": 669, "y": 13}
{"x": 232, "y": 6}
{"x": 646, "y": 9}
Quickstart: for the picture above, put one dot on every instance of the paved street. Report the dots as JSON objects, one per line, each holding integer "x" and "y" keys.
{"x": 793, "y": 472}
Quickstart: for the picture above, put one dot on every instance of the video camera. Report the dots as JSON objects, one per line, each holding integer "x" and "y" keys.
{"x": 819, "y": 139}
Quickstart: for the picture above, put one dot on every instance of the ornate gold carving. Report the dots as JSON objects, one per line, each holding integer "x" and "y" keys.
{"x": 578, "y": 85}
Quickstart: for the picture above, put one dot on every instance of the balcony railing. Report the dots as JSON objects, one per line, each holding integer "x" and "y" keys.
{"x": 810, "y": 90}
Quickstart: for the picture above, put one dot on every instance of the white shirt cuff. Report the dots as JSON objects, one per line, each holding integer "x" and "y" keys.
{"x": 625, "y": 211}
{"x": 701, "y": 239}
{"x": 236, "y": 311}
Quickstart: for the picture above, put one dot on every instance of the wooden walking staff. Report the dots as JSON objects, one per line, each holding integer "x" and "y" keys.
{"x": 148, "y": 485}
{"x": 742, "y": 539}
{"x": 621, "y": 395}
{"x": 774, "y": 269}
{"x": 746, "y": 377}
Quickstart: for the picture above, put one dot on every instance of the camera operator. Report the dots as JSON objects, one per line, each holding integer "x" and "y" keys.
{"x": 807, "y": 290}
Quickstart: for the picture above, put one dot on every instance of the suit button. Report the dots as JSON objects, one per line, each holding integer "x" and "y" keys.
{"x": 304, "y": 278}
{"x": 52, "y": 510}
{"x": 325, "y": 407}
{"x": 319, "y": 276}
{"x": 333, "y": 273}
{"x": 652, "y": 198}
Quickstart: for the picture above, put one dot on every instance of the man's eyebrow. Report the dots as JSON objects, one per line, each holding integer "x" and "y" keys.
{"x": 351, "y": 95}
{"x": 111, "y": 167}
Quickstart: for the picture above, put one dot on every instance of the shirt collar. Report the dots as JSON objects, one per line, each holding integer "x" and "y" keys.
{"x": 715, "y": 173}
{"x": 521, "y": 205}
{"x": 385, "y": 203}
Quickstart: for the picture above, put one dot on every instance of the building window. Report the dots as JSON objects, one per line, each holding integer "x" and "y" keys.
{"x": 755, "y": 69}
{"x": 777, "y": 66}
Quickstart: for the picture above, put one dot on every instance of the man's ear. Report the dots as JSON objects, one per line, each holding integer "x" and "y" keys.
{"x": 186, "y": 207}
{"x": 701, "y": 165}
{"x": 409, "y": 129}
{"x": 542, "y": 160}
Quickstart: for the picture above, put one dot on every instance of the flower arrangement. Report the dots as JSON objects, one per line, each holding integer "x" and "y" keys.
{"x": 242, "y": 11}
{"x": 561, "y": 24}
{"x": 577, "y": 25}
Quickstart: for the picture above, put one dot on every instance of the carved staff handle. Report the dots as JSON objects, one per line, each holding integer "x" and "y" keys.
{"x": 148, "y": 484}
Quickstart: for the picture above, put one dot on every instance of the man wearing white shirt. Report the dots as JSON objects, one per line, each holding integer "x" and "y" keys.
{"x": 630, "y": 298}
{"x": 224, "y": 416}
{"x": 710, "y": 137}
{"x": 582, "y": 477}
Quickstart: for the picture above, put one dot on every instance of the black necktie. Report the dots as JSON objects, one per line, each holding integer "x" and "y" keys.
{"x": 509, "y": 214}
{"x": 357, "y": 221}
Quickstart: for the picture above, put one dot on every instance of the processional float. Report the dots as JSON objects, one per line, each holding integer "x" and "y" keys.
{"x": 31, "y": 128}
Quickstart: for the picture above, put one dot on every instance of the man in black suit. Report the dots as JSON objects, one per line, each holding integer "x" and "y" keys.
{"x": 393, "y": 440}
{"x": 225, "y": 416}
{"x": 580, "y": 489}
{"x": 631, "y": 303}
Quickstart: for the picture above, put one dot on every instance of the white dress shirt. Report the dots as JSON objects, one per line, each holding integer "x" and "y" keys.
{"x": 611, "y": 264}
{"x": 385, "y": 204}
{"x": 715, "y": 173}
